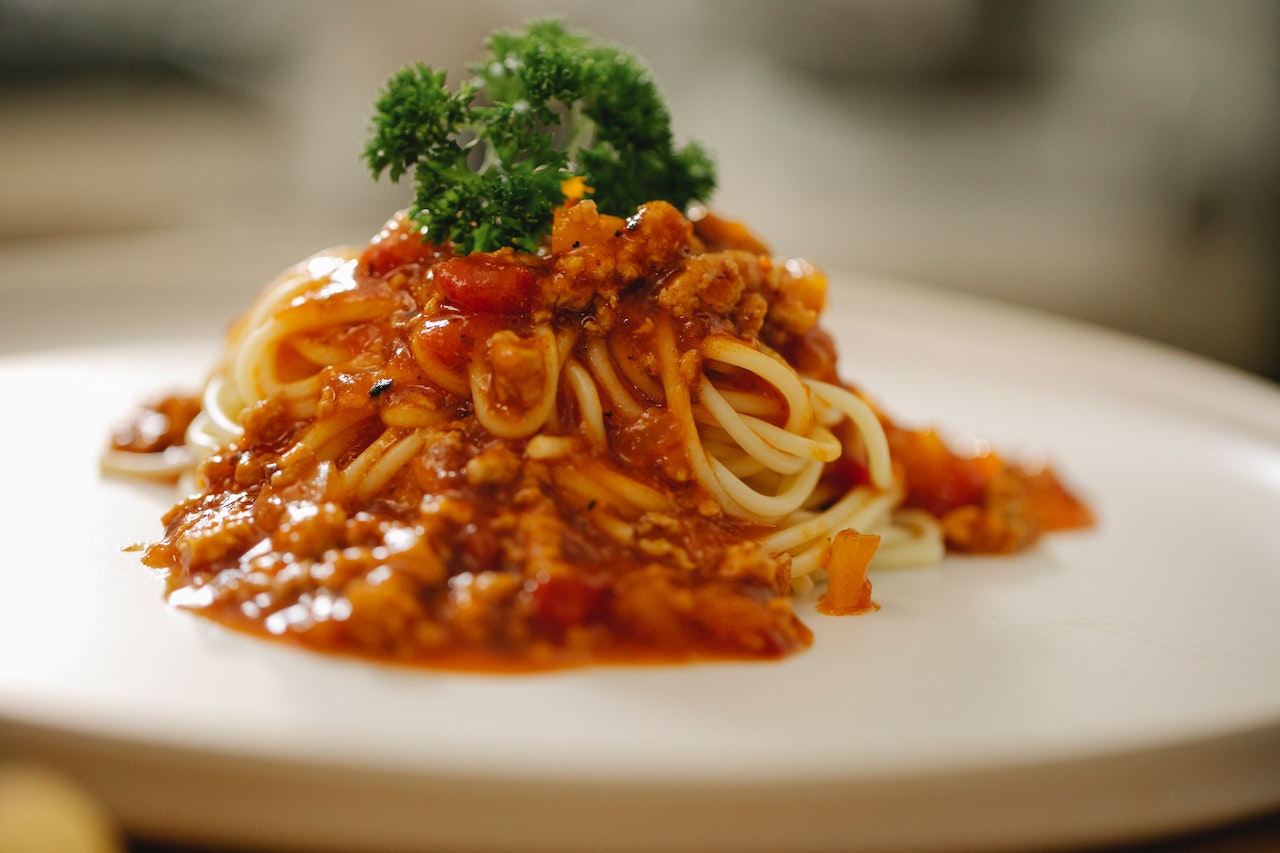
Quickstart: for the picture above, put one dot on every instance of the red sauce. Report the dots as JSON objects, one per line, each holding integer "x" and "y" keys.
{"x": 986, "y": 506}
{"x": 491, "y": 552}
{"x": 156, "y": 426}
{"x": 477, "y": 554}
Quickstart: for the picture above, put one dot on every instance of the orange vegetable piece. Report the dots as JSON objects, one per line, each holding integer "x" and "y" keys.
{"x": 848, "y": 590}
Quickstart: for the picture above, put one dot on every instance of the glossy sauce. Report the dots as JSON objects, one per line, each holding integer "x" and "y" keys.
{"x": 484, "y": 552}
{"x": 478, "y": 554}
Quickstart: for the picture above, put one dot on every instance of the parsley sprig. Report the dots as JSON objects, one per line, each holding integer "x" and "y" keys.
{"x": 490, "y": 159}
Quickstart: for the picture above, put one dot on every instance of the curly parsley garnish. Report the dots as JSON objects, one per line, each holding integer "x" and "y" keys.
{"x": 546, "y": 111}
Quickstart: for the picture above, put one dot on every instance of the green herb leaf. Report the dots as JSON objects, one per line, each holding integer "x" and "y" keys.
{"x": 489, "y": 160}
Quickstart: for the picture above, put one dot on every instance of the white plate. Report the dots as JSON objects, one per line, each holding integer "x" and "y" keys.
{"x": 1110, "y": 685}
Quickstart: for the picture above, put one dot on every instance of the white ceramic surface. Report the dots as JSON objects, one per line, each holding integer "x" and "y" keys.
{"x": 1110, "y": 685}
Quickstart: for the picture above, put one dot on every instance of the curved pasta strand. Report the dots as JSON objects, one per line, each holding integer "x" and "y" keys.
{"x": 588, "y": 398}
{"x": 602, "y": 368}
{"x": 635, "y": 373}
{"x": 378, "y": 463}
{"x": 678, "y": 404}
{"x": 777, "y": 373}
{"x": 766, "y": 507}
{"x": 868, "y": 425}
{"x": 527, "y": 422}
{"x": 743, "y": 434}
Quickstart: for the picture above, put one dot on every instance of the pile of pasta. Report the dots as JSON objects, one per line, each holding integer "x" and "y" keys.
{"x": 631, "y": 445}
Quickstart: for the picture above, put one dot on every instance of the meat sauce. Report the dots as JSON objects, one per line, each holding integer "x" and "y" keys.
{"x": 480, "y": 555}
{"x": 491, "y": 553}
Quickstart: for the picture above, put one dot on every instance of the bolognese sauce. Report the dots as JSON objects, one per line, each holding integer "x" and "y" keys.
{"x": 631, "y": 446}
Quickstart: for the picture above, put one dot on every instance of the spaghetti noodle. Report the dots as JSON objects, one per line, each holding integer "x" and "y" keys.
{"x": 630, "y": 446}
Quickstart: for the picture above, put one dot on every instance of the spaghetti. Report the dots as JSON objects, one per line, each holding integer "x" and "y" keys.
{"x": 630, "y": 446}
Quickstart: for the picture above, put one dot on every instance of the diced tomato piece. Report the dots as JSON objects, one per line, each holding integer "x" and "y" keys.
{"x": 487, "y": 283}
{"x": 562, "y": 603}
{"x": 450, "y": 338}
{"x": 446, "y": 339}
{"x": 398, "y": 244}
{"x": 937, "y": 479}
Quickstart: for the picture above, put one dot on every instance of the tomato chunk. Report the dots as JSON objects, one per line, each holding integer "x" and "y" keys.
{"x": 398, "y": 244}
{"x": 562, "y": 603}
{"x": 486, "y": 283}
{"x": 937, "y": 479}
{"x": 446, "y": 339}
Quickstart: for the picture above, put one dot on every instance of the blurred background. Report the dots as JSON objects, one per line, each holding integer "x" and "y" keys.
{"x": 1111, "y": 161}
